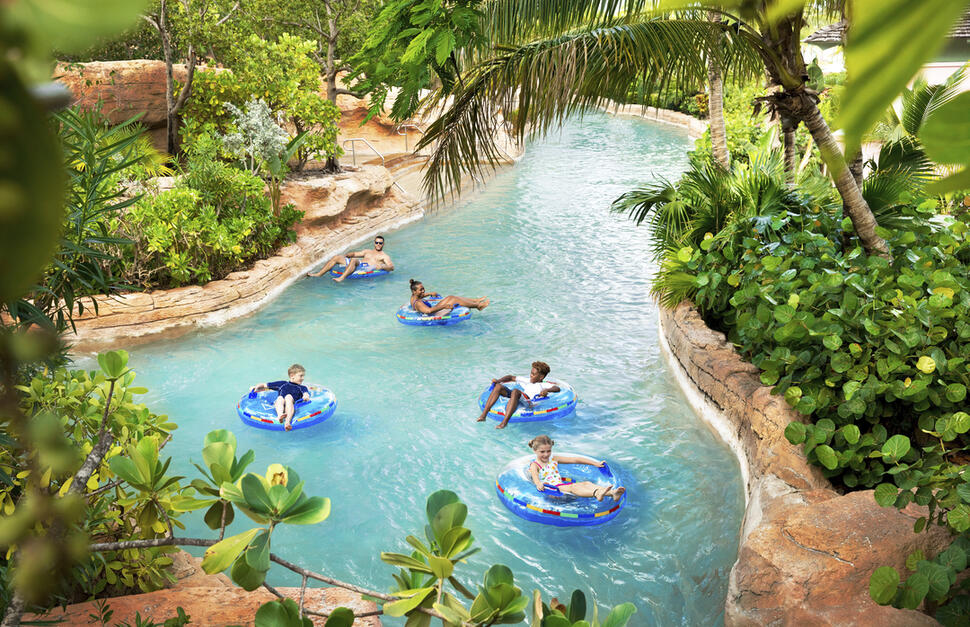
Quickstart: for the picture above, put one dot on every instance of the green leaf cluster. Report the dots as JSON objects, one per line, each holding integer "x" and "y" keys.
{"x": 215, "y": 220}
{"x": 66, "y": 410}
{"x": 930, "y": 581}
{"x": 410, "y": 46}
{"x": 872, "y": 351}
{"x": 277, "y": 497}
{"x": 284, "y": 75}
{"x": 574, "y": 615}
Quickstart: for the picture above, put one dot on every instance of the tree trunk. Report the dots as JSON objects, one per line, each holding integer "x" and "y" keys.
{"x": 715, "y": 109}
{"x": 333, "y": 164}
{"x": 791, "y": 154}
{"x": 855, "y": 205}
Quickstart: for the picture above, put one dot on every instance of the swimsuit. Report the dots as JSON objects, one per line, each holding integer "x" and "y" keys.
{"x": 288, "y": 387}
{"x": 550, "y": 474}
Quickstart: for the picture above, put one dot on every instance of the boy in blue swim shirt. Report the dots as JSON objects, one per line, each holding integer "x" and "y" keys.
{"x": 288, "y": 393}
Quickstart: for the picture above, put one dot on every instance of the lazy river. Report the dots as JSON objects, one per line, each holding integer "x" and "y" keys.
{"x": 569, "y": 284}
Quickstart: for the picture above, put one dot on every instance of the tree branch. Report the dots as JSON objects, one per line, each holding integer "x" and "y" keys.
{"x": 171, "y": 541}
{"x": 93, "y": 460}
{"x": 228, "y": 15}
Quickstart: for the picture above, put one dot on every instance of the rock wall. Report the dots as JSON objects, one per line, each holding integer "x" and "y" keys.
{"x": 340, "y": 211}
{"x": 695, "y": 127}
{"x": 806, "y": 551}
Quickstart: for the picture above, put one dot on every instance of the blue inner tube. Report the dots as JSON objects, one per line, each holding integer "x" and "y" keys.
{"x": 363, "y": 271}
{"x": 407, "y": 315}
{"x": 256, "y": 409}
{"x": 551, "y": 507}
{"x": 557, "y": 405}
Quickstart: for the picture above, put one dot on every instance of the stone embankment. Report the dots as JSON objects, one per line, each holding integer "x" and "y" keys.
{"x": 340, "y": 210}
{"x": 806, "y": 551}
{"x": 210, "y": 600}
{"x": 695, "y": 127}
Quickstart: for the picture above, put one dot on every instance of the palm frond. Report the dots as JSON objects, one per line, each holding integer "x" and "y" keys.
{"x": 546, "y": 81}
{"x": 519, "y": 21}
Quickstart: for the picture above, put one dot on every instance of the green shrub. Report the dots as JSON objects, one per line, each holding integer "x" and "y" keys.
{"x": 217, "y": 219}
{"x": 66, "y": 408}
{"x": 281, "y": 73}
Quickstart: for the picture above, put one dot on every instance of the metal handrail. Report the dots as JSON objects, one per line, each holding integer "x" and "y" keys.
{"x": 353, "y": 150}
{"x": 400, "y": 131}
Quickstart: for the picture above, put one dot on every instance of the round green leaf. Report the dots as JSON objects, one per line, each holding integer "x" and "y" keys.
{"x": 885, "y": 494}
{"x": 896, "y": 447}
{"x": 841, "y": 362}
{"x": 850, "y": 433}
{"x": 832, "y": 342}
{"x": 960, "y": 422}
{"x": 883, "y": 584}
{"x": 914, "y": 591}
{"x": 956, "y": 392}
{"x": 959, "y": 518}
{"x": 795, "y": 432}
{"x": 827, "y": 456}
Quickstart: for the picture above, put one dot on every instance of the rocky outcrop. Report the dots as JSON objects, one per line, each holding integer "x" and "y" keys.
{"x": 806, "y": 551}
{"x": 340, "y": 210}
{"x": 211, "y": 600}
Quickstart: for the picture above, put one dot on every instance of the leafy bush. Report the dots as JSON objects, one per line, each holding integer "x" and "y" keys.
{"x": 66, "y": 409}
{"x": 283, "y": 74}
{"x": 216, "y": 220}
{"x": 873, "y": 350}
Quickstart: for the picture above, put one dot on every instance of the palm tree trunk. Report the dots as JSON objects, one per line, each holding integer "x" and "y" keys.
{"x": 715, "y": 111}
{"x": 791, "y": 153}
{"x": 715, "y": 108}
{"x": 855, "y": 205}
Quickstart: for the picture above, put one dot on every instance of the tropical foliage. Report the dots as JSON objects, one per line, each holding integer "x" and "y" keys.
{"x": 285, "y": 77}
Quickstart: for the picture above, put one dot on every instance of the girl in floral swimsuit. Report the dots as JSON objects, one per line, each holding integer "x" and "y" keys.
{"x": 545, "y": 471}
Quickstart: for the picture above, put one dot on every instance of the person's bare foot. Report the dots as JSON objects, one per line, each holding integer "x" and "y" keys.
{"x": 501, "y": 425}
{"x": 288, "y": 426}
{"x": 482, "y": 303}
{"x": 338, "y": 279}
{"x": 618, "y": 492}
{"x": 601, "y": 494}
{"x": 481, "y": 418}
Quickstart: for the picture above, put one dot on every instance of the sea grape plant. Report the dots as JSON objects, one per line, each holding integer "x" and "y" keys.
{"x": 574, "y": 615}
{"x": 222, "y": 465}
{"x": 421, "y": 582}
{"x": 277, "y": 497}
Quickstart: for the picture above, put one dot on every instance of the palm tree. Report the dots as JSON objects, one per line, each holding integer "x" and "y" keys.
{"x": 554, "y": 58}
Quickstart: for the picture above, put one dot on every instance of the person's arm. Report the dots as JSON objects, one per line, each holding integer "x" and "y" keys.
{"x": 418, "y": 305}
{"x": 579, "y": 459}
{"x": 506, "y": 379}
{"x": 259, "y": 387}
{"x": 388, "y": 264}
{"x": 354, "y": 254}
{"x": 534, "y": 471}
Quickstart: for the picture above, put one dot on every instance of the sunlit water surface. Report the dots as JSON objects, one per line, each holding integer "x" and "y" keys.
{"x": 569, "y": 284}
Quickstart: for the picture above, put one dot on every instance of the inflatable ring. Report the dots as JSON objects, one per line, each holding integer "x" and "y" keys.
{"x": 407, "y": 315}
{"x": 552, "y": 507}
{"x": 256, "y": 409}
{"x": 363, "y": 271}
{"x": 556, "y": 405}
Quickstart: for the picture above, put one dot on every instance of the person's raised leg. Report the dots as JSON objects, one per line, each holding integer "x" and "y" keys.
{"x": 498, "y": 390}
{"x": 471, "y": 303}
{"x": 510, "y": 407}
{"x": 279, "y": 406}
{"x": 288, "y": 413}
{"x": 351, "y": 266}
{"x": 585, "y": 489}
{"x": 329, "y": 265}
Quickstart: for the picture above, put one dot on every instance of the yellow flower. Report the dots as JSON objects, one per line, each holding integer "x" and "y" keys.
{"x": 276, "y": 474}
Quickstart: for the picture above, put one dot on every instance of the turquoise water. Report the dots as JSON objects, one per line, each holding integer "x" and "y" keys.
{"x": 569, "y": 284}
